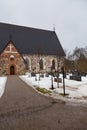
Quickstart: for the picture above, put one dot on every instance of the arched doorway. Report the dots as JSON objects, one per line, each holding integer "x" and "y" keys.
{"x": 12, "y": 70}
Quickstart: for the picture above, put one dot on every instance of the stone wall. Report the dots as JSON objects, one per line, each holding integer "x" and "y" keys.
{"x": 11, "y": 62}
{"x": 34, "y": 62}
{"x": 18, "y": 63}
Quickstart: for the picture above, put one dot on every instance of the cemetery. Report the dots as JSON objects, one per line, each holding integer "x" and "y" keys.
{"x": 76, "y": 89}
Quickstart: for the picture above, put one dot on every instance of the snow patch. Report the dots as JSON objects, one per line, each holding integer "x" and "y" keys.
{"x": 75, "y": 89}
{"x": 2, "y": 85}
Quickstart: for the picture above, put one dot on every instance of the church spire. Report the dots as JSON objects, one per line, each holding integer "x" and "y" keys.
{"x": 54, "y": 28}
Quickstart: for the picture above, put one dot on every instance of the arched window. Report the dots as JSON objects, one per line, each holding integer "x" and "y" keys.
{"x": 27, "y": 63}
{"x": 53, "y": 64}
{"x": 41, "y": 64}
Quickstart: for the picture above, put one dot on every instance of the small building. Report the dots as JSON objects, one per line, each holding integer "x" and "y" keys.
{"x": 25, "y": 49}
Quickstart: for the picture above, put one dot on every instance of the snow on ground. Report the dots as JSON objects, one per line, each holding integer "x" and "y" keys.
{"x": 75, "y": 89}
{"x": 2, "y": 85}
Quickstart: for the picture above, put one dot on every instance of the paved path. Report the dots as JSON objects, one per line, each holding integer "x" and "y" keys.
{"x": 22, "y": 108}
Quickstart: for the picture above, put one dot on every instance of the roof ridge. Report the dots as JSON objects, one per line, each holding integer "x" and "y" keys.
{"x": 24, "y": 26}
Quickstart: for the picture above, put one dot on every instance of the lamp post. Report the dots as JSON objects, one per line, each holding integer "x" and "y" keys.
{"x": 62, "y": 69}
{"x": 52, "y": 78}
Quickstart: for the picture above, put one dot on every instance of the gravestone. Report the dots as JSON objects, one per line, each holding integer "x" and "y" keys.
{"x": 76, "y": 76}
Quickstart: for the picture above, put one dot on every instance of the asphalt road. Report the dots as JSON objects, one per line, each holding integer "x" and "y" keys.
{"x": 22, "y": 108}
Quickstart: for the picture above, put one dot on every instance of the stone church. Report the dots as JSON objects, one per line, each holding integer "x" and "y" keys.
{"x": 25, "y": 49}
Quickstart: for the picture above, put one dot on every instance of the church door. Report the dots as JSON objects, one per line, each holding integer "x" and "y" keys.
{"x": 12, "y": 70}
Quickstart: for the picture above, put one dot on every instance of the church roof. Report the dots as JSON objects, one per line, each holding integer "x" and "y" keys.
{"x": 30, "y": 40}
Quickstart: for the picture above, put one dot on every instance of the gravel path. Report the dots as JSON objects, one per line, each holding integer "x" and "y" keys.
{"x": 22, "y": 108}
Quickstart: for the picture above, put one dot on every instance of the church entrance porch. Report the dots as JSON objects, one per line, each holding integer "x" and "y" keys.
{"x": 11, "y": 61}
{"x": 12, "y": 70}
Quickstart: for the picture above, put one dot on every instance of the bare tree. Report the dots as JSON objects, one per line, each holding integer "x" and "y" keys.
{"x": 77, "y": 60}
{"x": 58, "y": 57}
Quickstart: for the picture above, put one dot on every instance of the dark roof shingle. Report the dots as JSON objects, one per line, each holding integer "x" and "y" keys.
{"x": 30, "y": 40}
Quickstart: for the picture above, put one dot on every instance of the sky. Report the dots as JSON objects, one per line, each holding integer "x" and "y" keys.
{"x": 68, "y": 16}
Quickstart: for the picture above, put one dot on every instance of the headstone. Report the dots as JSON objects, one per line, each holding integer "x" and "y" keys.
{"x": 58, "y": 80}
{"x": 32, "y": 74}
{"x": 76, "y": 76}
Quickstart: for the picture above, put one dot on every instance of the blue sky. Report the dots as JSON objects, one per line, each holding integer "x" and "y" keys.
{"x": 69, "y": 17}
